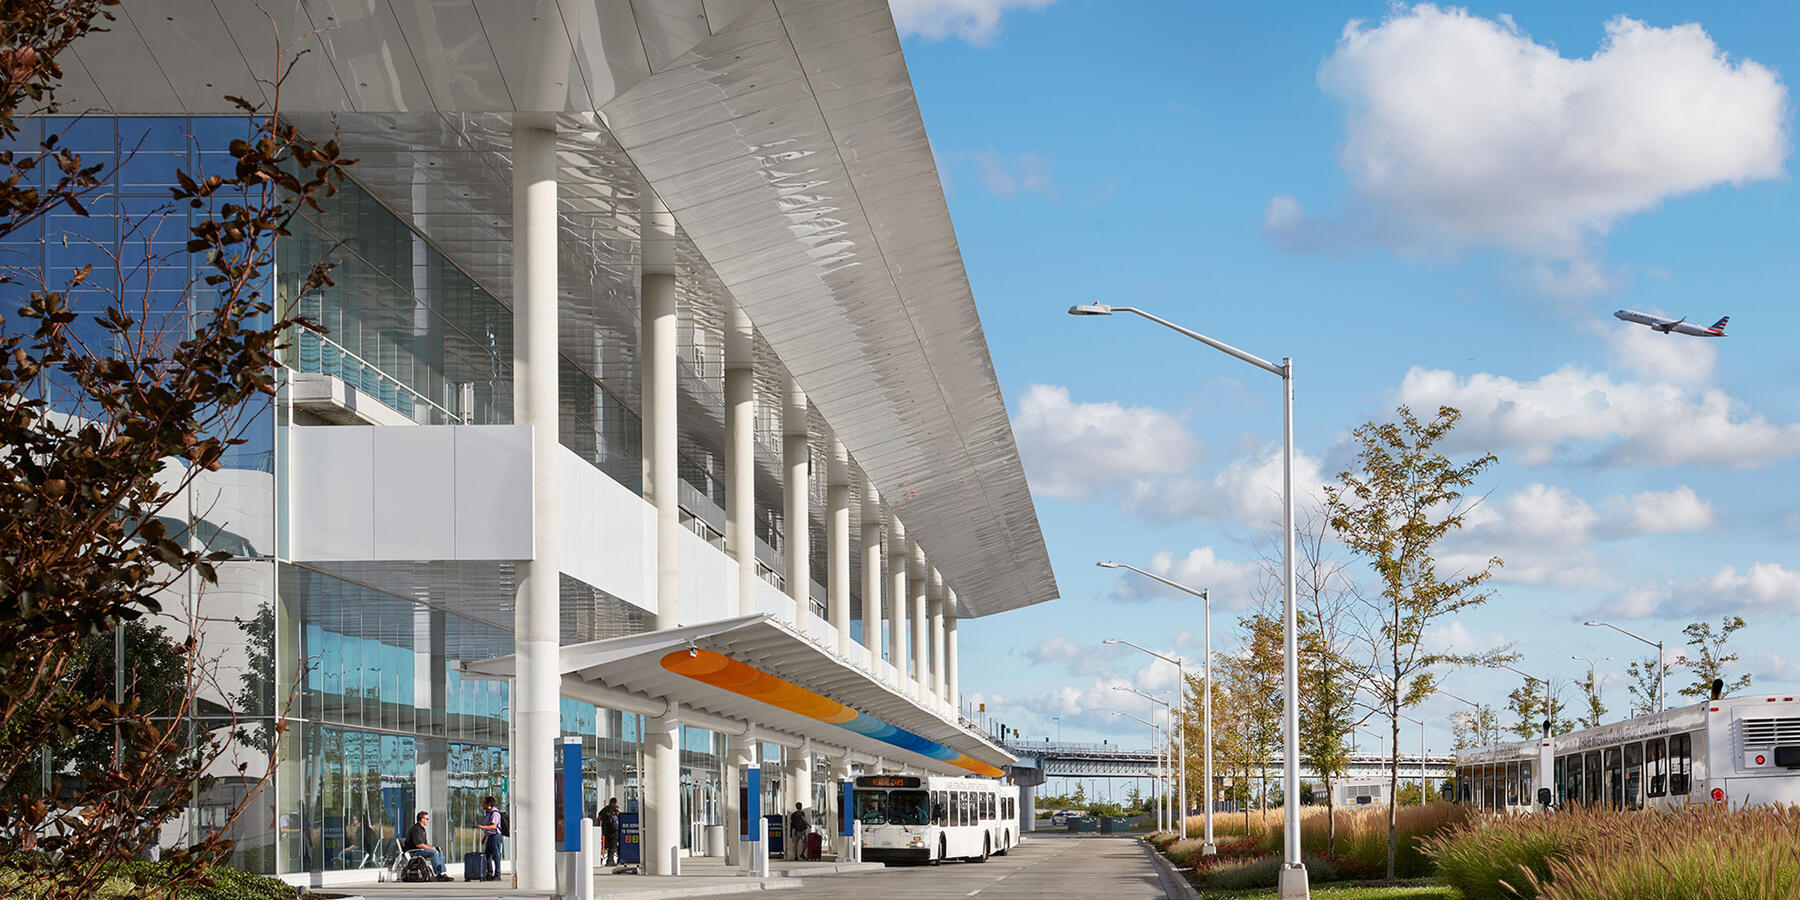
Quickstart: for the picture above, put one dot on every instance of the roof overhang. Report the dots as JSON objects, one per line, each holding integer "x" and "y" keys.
{"x": 724, "y": 674}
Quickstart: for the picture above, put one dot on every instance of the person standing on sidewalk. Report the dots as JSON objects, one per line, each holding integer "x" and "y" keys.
{"x": 798, "y": 827}
{"x": 609, "y": 832}
{"x": 490, "y": 832}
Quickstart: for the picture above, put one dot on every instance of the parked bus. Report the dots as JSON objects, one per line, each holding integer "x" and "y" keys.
{"x": 909, "y": 819}
{"x": 1739, "y": 750}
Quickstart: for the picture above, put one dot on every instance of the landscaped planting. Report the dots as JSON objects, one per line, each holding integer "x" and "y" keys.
{"x": 1700, "y": 853}
{"x": 1361, "y": 846}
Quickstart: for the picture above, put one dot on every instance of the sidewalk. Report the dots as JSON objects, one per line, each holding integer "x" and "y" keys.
{"x": 700, "y": 877}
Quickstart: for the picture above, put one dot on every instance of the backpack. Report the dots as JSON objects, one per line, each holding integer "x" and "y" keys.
{"x": 416, "y": 868}
{"x": 505, "y": 824}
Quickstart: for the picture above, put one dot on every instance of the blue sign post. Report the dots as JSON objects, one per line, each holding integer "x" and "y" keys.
{"x": 847, "y": 809}
{"x": 571, "y": 785}
{"x": 750, "y": 803}
{"x": 631, "y": 847}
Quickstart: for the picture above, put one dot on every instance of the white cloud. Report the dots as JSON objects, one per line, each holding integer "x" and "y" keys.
{"x": 1573, "y": 279}
{"x": 974, "y": 21}
{"x": 1077, "y": 450}
{"x": 1248, "y": 490}
{"x": 1667, "y": 512}
{"x": 1455, "y": 637}
{"x": 1463, "y": 131}
{"x": 1664, "y": 357}
{"x": 1574, "y": 408}
{"x": 1229, "y": 583}
{"x": 1766, "y": 666}
{"x": 1006, "y": 177}
{"x": 1762, "y": 591}
{"x": 1078, "y": 659}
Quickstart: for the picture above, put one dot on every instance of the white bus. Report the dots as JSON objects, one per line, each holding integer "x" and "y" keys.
{"x": 1738, "y": 750}
{"x": 907, "y": 819}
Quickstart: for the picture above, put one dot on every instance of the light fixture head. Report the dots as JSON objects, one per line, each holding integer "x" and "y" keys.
{"x": 1592, "y": 624}
{"x": 1109, "y": 564}
{"x": 1110, "y": 641}
{"x": 1090, "y": 309}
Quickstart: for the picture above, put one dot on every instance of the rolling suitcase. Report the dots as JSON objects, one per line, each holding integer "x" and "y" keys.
{"x": 474, "y": 866}
{"x": 815, "y": 847}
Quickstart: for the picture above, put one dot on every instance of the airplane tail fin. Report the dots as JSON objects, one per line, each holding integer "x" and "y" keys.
{"x": 1720, "y": 325}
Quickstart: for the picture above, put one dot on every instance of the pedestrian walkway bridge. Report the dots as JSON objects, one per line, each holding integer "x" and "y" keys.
{"x": 1038, "y": 761}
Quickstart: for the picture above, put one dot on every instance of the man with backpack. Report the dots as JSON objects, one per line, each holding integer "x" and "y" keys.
{"x": 491, "y": 834}
{"x": 798, "y": 828}
{"x": 609, "y": 832}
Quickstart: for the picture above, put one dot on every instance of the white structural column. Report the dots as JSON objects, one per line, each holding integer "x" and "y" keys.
{"x": 837, "y": 544}
{"x": 840, "y": 773}
{"x": 952, "y": 690}
{"x": 897, "y": 600}
{"x": 536, "y": 612}
{"x": 921, "y": 639}
{"x": 871, "y": 573}
{"x": 936, "y": 683}
{"x": 738, "y": 758}
{"x": 740, "y": 460}
{"x": 661, "y": 836}
{"x": 796, "y": 462}
{"x": 799, "y": 788}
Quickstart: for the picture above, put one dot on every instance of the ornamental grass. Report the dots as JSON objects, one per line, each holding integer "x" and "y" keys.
{"x": 1701, "y": 853}
{"x": 1360, "y": 850}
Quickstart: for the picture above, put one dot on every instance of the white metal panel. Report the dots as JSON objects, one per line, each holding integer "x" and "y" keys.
{"x": 771, "y": 599}
{"x": 669, "y": 28}
{"x": 603, "y": 537}
{"x": 534, "y": 53}
{"x": 414, "y": 497}
{"x": 707, "y": 577}
{"x": 372, "y": 55}
{"x": 493, "y": 491}
{"x": 330, "y": 486}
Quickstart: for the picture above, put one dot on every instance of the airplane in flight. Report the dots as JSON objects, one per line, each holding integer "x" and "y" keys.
{"x": 1679, "y": 326}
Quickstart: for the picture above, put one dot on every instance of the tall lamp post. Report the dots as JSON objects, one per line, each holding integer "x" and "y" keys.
{"x": 1662, "y": 665}
{"x": 1421, "y": 756}
{"x": 1293, "y": 881}
{"x": 1207, "y": 847}
{"x": 1548, "y": 714}
{"x": 1162, "y": 750}
{"x": 1155, "y": 779}
{"x": 1480, "y": 734}
{"x": 1058, "y": 722}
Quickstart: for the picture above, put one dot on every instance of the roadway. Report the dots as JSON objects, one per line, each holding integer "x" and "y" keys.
{"x": 1045, "y": 865}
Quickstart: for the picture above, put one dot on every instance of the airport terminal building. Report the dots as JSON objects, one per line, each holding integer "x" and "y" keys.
{"x": 652, "y": 411}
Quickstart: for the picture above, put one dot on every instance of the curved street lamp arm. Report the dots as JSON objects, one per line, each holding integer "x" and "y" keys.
{"x": 1220, "y": 346}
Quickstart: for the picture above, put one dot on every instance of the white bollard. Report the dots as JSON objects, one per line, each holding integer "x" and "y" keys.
{"x": 760, "y": 849}
{"x": 584, "y": 863}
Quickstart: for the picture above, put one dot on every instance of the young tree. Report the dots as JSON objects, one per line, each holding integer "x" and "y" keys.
{"x": 1708, "y": 658}
{"x": 105, "y": 422}
{"x": 1527, "y": 704}
{"x": 1643, "y": 684}
{"x": 1596, "y": 710}
{"x": 1255, "y": 677}
{"x": 1405, "y": 499}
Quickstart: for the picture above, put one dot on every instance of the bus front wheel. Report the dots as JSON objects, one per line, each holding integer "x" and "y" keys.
{"x": 986, "y": 847}
{"x": 943, "y": 849}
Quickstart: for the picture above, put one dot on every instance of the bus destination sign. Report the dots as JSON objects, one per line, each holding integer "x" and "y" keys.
{"x": 889, "y": 781}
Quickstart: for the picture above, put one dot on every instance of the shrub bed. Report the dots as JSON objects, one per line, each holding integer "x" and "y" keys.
{"x": 138, "y": 879}
{"x": 1361, "y": 845}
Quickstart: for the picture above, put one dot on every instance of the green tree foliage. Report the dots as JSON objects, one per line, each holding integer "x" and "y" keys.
{"x": 1643, "y": 684}
{"x": 1394, "y": 511}
{"x": 1527, "y": 705}
{"x": 104, "y": 424}
{"x": 1707, "y": 659}
{"x": 1596, "y": 708}
{"x": 1331, "y": 676}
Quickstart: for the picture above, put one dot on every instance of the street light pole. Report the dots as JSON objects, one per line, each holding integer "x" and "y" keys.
{"x": 1548, "y": 713}
{"x": 1207, "y": 847}
{"x": 1155, "y": 779}
{"x": 1480, "y": 734}
{"x": 1662, "y": 666}
{"x": 1292, "y": 881}
{"x": 1058, "y": 722}
{"x": 1163, "y": 752}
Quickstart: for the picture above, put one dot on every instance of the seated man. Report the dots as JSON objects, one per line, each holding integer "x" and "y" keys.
{"x": 418, "y": 843}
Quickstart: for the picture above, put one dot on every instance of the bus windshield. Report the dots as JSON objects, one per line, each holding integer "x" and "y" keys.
{"x": 892, "y": 807}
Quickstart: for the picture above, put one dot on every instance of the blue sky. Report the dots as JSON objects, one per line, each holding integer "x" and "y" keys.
{"x": 1429, "y": 205}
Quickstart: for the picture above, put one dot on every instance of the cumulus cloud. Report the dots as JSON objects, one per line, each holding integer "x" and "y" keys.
{"x": 1548, "y": 535}
{"x": 1056, "y": 650}
{"x": 1006, "y": 177}
{"x": 1766, "y": 666}
{"x": 1248, "y": 490}
{"x": 1572, "y": 279}
{"x": 1763, "y": 590}
{"x": 1464, "y": 131}
{"x": 1077, "y": 450}
{"x": 1662, "y": 357}
{"x": 1229, "y": 583}
{"x": 1575, "y": 411}
{"x": 974, "y": 21}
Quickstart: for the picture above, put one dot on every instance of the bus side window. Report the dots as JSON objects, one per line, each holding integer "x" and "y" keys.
{"x": 939, "y": 812}
{"x": 1615, "y": 780}
{"x": 1656, "y": 762}
{"x": 1680, "y": 763}
{"x": 1590, "y": 777}
{"x": 1634, "y": 776}
{"x": 1512, "y": 784}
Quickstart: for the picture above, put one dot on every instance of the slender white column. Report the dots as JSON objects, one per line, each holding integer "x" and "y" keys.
{"x": 661, "y": 834}
{"x": 953, "y": 691}
{"x": 898, "y": 597}
{"x": 739, "y": 757}
{"x": 657, "y": 358}
{"x": 871, "y": 573}
{"x": 840, "y": 773}
{"x": 937, "y": 633}
{"x": 921, "y": 622}
{"x": 799, "y": 789}
{"x": 837, "y": 545}
{"x": 796, "y": 459}
{"x": 536, "y": 611}
{"x": 740, "y": 460}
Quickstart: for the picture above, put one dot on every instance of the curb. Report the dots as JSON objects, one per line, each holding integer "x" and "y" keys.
{"x": 768, "y": 884}
{"x": 1181, "y": 887}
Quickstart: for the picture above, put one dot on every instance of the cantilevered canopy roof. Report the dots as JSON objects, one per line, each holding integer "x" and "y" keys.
{"x": 726, "y": 669}
{"x": 784, "y": 135}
